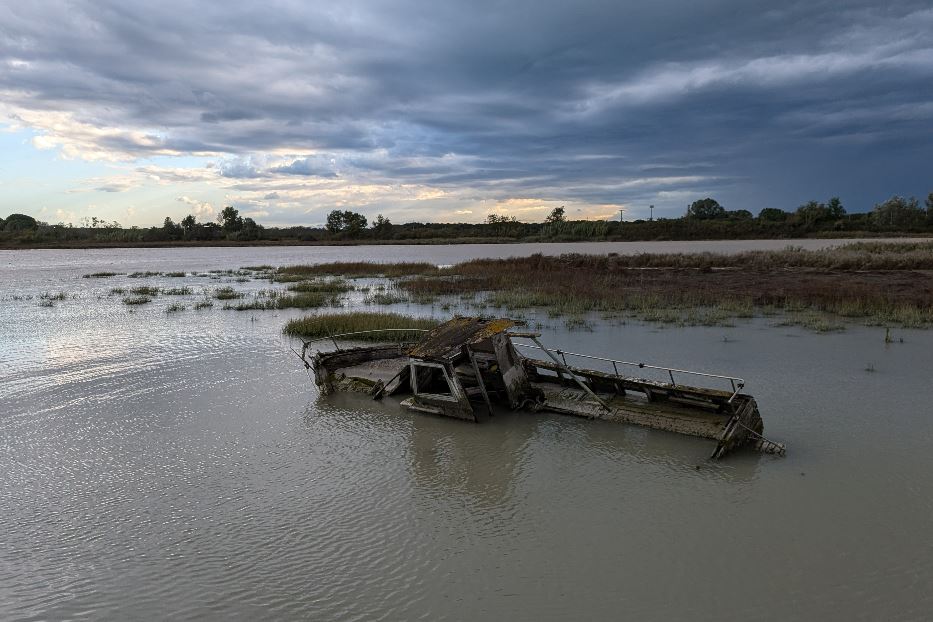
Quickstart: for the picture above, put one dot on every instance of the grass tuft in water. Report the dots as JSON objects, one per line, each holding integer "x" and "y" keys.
{"x": 332, "y": 286}
{"x": 177, "y": 291}
{"x": 100, "y": 275}
{"x": 136, "y": 300}
{"x": 305, "y": 300}
{"x": 226, "y": 293}
{"x": 384, "y": 298}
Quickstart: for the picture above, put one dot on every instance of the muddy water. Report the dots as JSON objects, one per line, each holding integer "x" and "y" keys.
{"x": 181, "y": 466}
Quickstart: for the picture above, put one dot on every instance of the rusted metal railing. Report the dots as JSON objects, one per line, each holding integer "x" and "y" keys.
{"x": 737, "y": 383}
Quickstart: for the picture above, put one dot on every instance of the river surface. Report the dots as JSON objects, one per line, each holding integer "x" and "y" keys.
{"x": 181, "y": 466}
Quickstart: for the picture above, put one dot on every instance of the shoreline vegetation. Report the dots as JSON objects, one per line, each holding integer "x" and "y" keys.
{"x": 886, "y": 284}
{"x": 883, "y": 284}
{"x": 705, "y": 219}
{"x": 103, "y": 245}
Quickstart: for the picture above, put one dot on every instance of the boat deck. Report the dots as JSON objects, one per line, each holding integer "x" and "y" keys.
{"x": 630, "y": 408}
{"x": 377, "y": 370}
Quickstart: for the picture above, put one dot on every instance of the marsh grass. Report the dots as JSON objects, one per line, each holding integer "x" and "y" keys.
{"x": 136, "y": 300}
{"x": 203, "y": 304}
{"x": 288, "y": 278}
{"x": 305, "y": 300}
{"x": 100, "y": 275}
{"x": 226, "y": 293}
{"x": 50, "y": 296}
{"x": 578, "y": 323}
{"x": 657, "y": 287}
{"x": 174, "y": 275}
{"x": 117, "y": 291}
{"x": 253, "y": 305}
{"x": 814, "y": 321}
{"x": 175, "y": 308}
{"x": 357, "y": 269}
{"x": 384, "y": 298}
{"x": 177, "y": 291}
{"x": 145, "y": 291}
{"x": 328, "y": 324}
{"x": 143, "y": 275}
{"x": 331, "y": 286}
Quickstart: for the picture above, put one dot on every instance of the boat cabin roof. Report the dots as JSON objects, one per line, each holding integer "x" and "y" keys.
{"x": 447, "y": 340}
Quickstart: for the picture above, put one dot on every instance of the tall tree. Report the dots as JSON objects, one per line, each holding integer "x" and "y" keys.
{"x": 250, "y": 230}
{"x": 898, "y": 212}
{"x": 188, "y": 223}
{"x": 381, "y": 226}
{"x": 334, "y": 222}
{"x": 353, "y": 223}
{"x": 834, "y": 209}
{"x": 556, "y": 216}
{"x": 230, "y": 219}
{"x": 706, "y": 209}
{"x": 773, "y": 214}
{"x": 171, "y": 230}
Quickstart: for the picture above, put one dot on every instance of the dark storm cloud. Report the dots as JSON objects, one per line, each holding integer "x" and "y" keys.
{"x": 308, "y": 167}
{"x": 759, "y": 103}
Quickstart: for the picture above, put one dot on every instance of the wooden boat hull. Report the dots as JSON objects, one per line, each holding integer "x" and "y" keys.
{"x": 465, "y": 366}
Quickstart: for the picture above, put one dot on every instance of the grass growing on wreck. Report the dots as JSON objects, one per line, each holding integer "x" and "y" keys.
{"x": 327, "y": 324}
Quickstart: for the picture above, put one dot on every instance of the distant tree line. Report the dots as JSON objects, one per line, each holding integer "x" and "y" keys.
{"x": 704, "y": 219}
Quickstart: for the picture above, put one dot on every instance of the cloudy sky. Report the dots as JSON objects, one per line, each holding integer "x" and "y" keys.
{"x": 449, "y": 111}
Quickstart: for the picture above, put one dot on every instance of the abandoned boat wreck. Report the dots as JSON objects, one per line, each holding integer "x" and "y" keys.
{"x": 463, "y": 367}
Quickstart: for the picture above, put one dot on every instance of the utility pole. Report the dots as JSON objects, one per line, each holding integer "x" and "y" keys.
{"x": 621, "y": 214}
{"x": 652, "y": 212}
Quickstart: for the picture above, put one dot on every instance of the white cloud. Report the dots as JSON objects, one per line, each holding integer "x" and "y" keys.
{"x": 201, "y": 209}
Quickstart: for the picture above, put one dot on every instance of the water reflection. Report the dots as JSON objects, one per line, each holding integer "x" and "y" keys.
{"x": 484, "y": 464}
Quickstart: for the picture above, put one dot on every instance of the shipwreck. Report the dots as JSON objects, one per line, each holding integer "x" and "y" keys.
{"x": 468, "y": 365}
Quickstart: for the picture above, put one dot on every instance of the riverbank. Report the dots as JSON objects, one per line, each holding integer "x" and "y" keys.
{"x": 440, "y": 241}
